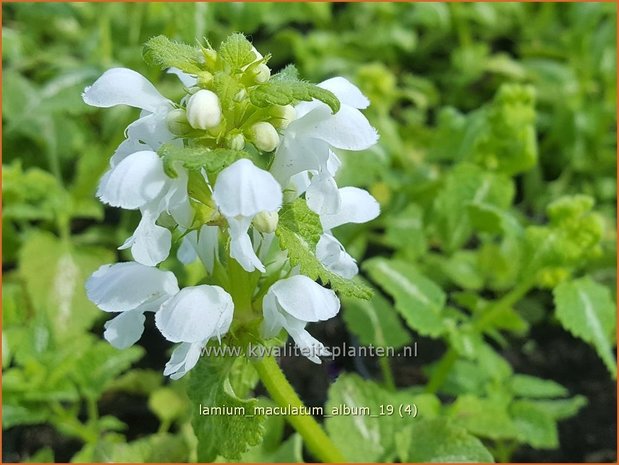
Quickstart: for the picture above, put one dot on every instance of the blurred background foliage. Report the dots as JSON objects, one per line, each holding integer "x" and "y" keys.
{"x": 522, "y": 96}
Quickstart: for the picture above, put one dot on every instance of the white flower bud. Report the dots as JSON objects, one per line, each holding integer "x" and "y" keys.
{"x": 283, "y": 115}
{"x": 177, "y": 122}
{"x": 262, "y": 73}
{"x": 203, "y": 110}
{"x": 266, "y": 222}
{"x": 237, "y": 142}
{"x": 264, "y": 136}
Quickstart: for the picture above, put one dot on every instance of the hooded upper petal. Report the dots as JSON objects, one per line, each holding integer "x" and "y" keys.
{"x": 304, "y": 299}
{"x": 122, "y": 86}
{"x": 347, "y": 93}
{"x": 129, "y": 285}
{"x": 196, "y": 314}
{"x": 358, "y": 206}
{"x": 322, "y": 195}
{"x": 136, "y": 180}
{"x": 243, "y": 189}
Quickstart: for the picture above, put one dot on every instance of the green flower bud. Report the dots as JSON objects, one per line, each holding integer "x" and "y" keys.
{"x": 283, "y": 115}
{"x": 204, "y": 110}
{"x": 240, "y": 95}
{"x": 266, "y": 222}
{"x": 264, "y": 136}
{"x": 204, "y": 78}
{"x": 177, "y": 122}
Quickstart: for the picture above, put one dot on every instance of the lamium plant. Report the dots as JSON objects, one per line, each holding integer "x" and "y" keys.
{"x": 239, "y": 175}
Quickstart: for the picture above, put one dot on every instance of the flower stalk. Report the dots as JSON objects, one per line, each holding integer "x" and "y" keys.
{"x": 316, "y": 440}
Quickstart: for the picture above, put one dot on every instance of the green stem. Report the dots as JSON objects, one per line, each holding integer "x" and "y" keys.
{"x": 316, "y": 440}
{"x": 385, "y": 368}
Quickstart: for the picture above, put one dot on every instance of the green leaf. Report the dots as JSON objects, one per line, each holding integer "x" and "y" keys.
{"x": 362, "y": 437}
{"x": 535, "y": 427}
{"x": 531, "y": 386}
{"x": 298, "y": 231}
{"x": 226, "y": 88}
{"x": 418, "y": 299}
{"x": 375, "y": 322}
{"x": 236, "y": 52}
{"x": 586, "y": 309}
{"x": 284, "y": 92}
{"x": 196, "y": 158}
{"x": 466, "y": 185}
{"x": 288, "y": 73}
{"x": 159, "y": 447}
{"x": 161, "y": 51}
{"x": 560, "y": 409}
{"x": 405, "y": 230}
{"x": 436, "y": 440}
{"x": 228, "y": 435}
{"x": 488, "y": 418}
{"x": 54, "y": 273}
{"x": 167, "y": 404}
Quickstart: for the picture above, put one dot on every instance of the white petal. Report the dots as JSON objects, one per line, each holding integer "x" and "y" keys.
{"x": 176, "y": 200}
{"x": 346, "y": 92}
{"x": 135, "y": 181}
{"x": 348, "y": 129}
{"x": 125, "y": 330}
{"x": 358, "y": 206}
{"x": 311, "y": 347}
{"x": 241, "y": 248}
{"x": 242, "y": 189}
{"x": 333, "y": 256}
{"x": 152, "y": 130}
{"x": 183, "y": 359}
{"x": 122, "y": 86}
{"x": 195, "y": 314}
{"x": 126, "y": 148}
{"x": 304, "y": 299}
{"x": 127, "y": 286}
{"x": 297, "y": 154}
{"x": 297, "y": 186}
{"x": 150, "y": 243}
{"x": 186, "y": 252}
{"x": 333, "y": 163}
{"x": 186, "y": 79}
{"x": 323, "y": 196}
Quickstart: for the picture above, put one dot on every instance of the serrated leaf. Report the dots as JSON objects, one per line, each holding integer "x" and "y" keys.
{"x": 226, "y": 88}
{"x": 288, "y": 73}
{"x": 585, "y": 308}
{"x": 236, "y": 52}
{"x": 165, "y": 53}
{"x": 531, "y": 386}
{"x": 375, "y": 322}
{"x": 197, "y": 158}
{"x": 418, "y": 299}
{"x": 535, "y": 427}
{"x": 284, "y": 92}
{"x": 298, "y": 231}
{"x": 436, "y": 440}
{"x": 54, "y": 273}
{"x": 227, "y": 435}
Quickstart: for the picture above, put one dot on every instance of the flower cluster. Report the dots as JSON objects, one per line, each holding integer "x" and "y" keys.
{"x": 212, "y": 174}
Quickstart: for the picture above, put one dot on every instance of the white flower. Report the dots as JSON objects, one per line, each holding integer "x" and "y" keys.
{"x": 192, "y": 317}
{"x": 307, "y": 141}
{"x": 357, "y": 206}
{"x": 132, "y": 289}
{"x": 241, "y": 191}
{"x": 204, "y": 110}
{"x": 139, "y": 181}
{"x": 292, "y": 303}
{"x": 122, "y": 86}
